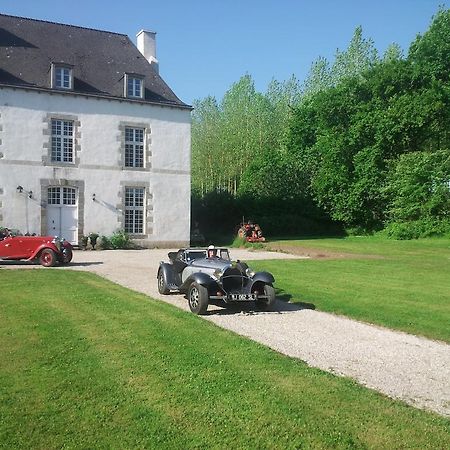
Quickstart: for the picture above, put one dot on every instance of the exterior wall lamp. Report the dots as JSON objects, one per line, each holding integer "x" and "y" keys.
{"x": 20, "y": 189}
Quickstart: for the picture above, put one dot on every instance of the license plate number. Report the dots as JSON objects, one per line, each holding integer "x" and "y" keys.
{"x": 242, "y": 297}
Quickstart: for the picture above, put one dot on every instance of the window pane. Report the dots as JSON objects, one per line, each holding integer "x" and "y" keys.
{"x": 134, "y": 210}
{"x": 139, "y": 135}
{"x": 130, "y": 86}
{"x": 137, "y": 88}
{"x": 134, "y": 87}
{"x": 66, "y": 82}
{"x": 62, "y": 140}
{"x": 56, "y": 148}
{"x": 134, "y": 150}
{"x": 53, "y": 196}
{"x": 62, "y": 77}
{"x": 58, "y": 78}
{"x": 69, "y": 196}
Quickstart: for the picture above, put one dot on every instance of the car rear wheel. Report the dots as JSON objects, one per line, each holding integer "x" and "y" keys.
{"x": 162, "y": 286}
{"x": 267, "y": 303}
{"x": 47, "y": 258}
{"x": 198, "y": 298}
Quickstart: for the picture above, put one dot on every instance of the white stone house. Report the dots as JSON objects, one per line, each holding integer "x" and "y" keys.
{"x": 91, "y": 137}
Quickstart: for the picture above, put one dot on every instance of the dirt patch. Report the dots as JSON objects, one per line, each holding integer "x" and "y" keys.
{"x": 315, "y": 253}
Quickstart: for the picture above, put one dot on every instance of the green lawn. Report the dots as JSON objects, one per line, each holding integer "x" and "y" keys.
{"x": 88, "y": 364}
{"x": 406, "y": 287}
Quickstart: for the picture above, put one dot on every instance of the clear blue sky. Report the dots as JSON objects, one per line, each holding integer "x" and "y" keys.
{"x": 204, "y": 46}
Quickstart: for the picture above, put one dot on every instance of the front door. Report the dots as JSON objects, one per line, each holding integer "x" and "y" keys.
{"x": 62, "y": 213}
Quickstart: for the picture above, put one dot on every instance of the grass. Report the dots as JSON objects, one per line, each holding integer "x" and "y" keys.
{"x": 406, "y": 287}
{"x": 87, "y": 364}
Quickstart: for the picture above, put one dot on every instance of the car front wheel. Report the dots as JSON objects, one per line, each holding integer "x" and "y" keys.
{"x": 67, "y": 256}
{"x": 47, "y": 258}
{"x": 268, "y": 302}
{"x": 198, "y": 298}
{"x": 162, "y": 286}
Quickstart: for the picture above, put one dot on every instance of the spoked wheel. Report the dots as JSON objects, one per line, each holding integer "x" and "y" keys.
{"x": 162, "y": 286}
{"x": 198, "y": 298}
{"x": 47, "y": 257}
{"x": 266, "y": 304}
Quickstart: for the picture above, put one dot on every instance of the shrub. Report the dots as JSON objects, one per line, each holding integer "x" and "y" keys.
{"x": 219, "y": 214}
{"x": 418, "y": 229}
{"x": 93, "y": 239}
{"x": 238, "y": 242}
{"x": 419, "y": 187}
{"x": 120, "y": 240}
{"x": 105, "y": 243}
{"x": 84, "y": 242}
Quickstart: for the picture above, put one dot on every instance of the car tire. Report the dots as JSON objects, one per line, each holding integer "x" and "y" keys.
{"x": 198, "y": 298}
{"x": 266, "y": 304}
{"x": 162, "y": 286}
{"x": 47, "y": 258}
{"x": 67, "y": 256}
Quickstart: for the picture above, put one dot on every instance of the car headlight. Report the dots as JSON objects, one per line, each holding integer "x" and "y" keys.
{"x": 249, "y": 272}
{"x": 218, "y": 274}
{"x": 57, "y": 243}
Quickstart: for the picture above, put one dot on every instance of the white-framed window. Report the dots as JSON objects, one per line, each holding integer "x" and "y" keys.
{"x": 134, "y": 147}
{"x": 134, "y": 86}
{"x": 134, "y": 210}
{"x": 57, "y": 195}
{"x": 62, "y": 77}
{"x": 62, "y": 141}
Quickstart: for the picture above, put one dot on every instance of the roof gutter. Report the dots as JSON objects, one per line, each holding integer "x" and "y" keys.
{"x": 98, "y": 96}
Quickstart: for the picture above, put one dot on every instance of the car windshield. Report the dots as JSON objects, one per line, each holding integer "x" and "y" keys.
{"x": 196, "y": 254}
{"x": 223, "y": 253}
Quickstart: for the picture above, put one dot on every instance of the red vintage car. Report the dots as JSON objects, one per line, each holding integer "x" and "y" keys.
{"x": 48, "y": 250}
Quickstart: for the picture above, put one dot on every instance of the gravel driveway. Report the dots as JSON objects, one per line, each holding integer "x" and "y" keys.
{"x": 413, "y": 369}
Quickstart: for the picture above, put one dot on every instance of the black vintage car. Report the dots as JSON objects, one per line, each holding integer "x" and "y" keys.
{"x": 209, "y": 274}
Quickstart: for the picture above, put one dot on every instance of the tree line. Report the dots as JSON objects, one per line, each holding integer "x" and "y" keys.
{"x": 363, "y": 143}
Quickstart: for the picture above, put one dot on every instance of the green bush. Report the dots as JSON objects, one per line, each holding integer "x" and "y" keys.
{"x": 358, "y": 231}
{"x": 418, "y": 185}
{"x": 93, "y": 239}
{"x": 84, "y": 242}
{"x": 220, "y": 214}
{"x": 105, "y": 243}
{"x": 120, "y": 240}
{"x": 418, "y": 229}
{"x": 238, "y": 242}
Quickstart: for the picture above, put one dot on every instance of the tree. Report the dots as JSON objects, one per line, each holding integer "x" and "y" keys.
{"x": 360, "y": 56}
{"x": 419, "y": 191}
{"x": 206, "y": 142}
{"x": 318, "y": 78}
{"x": 429, "y": 54}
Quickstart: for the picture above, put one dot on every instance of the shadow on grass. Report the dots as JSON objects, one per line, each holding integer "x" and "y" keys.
{"x": 85, "y": 264}
{"x": 24, "y": 263}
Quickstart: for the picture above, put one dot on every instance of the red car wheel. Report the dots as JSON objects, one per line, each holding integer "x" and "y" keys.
{"x": 47, "y": 258}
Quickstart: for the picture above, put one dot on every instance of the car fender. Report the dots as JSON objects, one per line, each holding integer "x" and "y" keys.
{"x": 167, "y": 271}
{"x": 43, "y": 246}
{"x": 264, "y": 277}
{"x": 200, "y": 278}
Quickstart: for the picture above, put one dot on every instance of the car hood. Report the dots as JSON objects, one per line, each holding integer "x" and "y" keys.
{"x": 31, "y": 238}
{"x": 212, "y": 263}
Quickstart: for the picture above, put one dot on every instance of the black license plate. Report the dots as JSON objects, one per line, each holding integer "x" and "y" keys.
{"x": 242, "y": 297}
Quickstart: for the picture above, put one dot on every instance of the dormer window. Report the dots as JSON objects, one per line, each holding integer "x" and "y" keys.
{"x": 62, "y": 77}
{"x": 134, "y": 86}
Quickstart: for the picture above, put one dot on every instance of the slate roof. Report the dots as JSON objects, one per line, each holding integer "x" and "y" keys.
{"x": 100, "y": 59}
